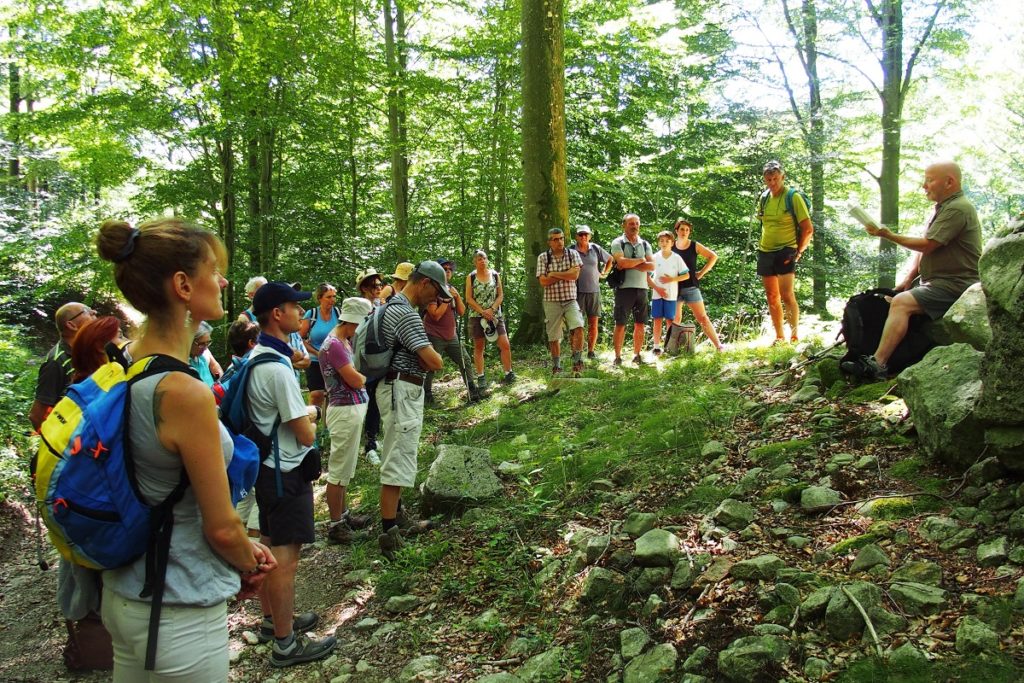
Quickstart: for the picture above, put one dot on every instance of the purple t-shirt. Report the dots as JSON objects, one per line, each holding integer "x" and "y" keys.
{"x": 334, "y": 355}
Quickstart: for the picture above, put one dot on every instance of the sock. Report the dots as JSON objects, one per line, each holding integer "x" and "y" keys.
{"x": 285, "y": 644}
{"x": 557, "y": 361}
{"x": 577, "y": 356}
{"x": 388, "y": 523}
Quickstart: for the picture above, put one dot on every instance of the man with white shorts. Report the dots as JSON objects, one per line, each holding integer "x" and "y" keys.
{"x": 558, "y": 269}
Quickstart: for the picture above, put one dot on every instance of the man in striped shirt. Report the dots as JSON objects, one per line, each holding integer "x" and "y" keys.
{"x": 400, "y": 397}
{"x": 558, "y": 269}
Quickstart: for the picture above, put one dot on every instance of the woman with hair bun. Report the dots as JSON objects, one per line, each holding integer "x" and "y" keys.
{"x": 171, "y": 271}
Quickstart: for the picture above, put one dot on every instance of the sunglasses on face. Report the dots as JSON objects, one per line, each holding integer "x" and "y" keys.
{"x": 84, "y": 310}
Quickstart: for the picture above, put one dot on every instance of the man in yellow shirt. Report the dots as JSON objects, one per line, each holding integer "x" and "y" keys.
{"x": 781, "y": 246}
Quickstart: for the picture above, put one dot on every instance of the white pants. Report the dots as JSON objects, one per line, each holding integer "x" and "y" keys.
{"x": 192, "y": 641}
{"x": 346, "y": 425}
{"x": 401, "y": 417}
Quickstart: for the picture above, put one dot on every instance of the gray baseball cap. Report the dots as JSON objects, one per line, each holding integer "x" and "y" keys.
{"x": 434, "y": 271}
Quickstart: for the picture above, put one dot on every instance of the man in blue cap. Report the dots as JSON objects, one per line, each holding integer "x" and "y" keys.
{"x": 286, "y": 515}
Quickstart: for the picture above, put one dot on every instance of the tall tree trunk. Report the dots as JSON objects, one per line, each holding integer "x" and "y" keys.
{"x": 226, "y": 153}
{"x": 816, "y": 145}
{"x": 545, "y": 196}
{"x": 268, "y": 240}
{"x": 252, "y": 167}
{"x": 890, "y": 19}
{"x": 14, "y": 94}
{"x": 351, "y": 128}
{"x": 394, "y": 53}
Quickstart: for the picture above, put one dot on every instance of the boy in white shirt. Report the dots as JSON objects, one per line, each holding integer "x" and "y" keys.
{"x": 669, "y": 271}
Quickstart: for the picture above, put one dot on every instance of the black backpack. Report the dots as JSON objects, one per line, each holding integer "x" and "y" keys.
{"x": 863, "y": 320}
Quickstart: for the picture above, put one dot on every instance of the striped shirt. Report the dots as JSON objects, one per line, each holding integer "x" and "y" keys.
{"x": 401, "y": 328}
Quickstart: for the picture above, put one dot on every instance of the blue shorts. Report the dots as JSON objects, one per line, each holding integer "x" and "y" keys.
{"x": 690, "y": 295}
{"x": 663, "y": 308}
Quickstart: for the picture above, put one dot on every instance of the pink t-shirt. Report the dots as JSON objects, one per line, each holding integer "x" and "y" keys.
{"x": 334, "y": 355}
{"x": 443, "y": 327}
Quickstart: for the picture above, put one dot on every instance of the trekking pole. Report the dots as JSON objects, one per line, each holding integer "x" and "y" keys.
{"x": 42, "y": 563}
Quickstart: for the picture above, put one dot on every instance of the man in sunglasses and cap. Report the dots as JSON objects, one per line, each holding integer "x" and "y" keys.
{"x": 400, "y": 397}
{"x": 55, "y": 372}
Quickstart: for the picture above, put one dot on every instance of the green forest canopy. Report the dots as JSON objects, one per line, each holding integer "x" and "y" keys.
{"x": 320, "y": 137}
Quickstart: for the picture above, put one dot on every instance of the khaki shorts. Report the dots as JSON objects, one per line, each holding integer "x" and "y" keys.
{"x": 557, "y": 312}
{"x": 401, "y": 418}
{"x": 346, "y": 426}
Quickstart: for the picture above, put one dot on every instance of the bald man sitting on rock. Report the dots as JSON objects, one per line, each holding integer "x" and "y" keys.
{"x": 946, "y": 261}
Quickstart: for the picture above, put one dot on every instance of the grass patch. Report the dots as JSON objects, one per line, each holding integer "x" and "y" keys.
{"x": 866, "y": 393}
{"x": 996, "y": 668}
{"x": 774, "y": 454}
{"x": 702, "y": 498}
{"x": 899, "y": 507}
{"x": 855, "y": 543}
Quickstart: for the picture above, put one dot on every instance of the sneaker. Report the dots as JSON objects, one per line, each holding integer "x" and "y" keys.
{"x": 411, "y": 526}
{"x": 390, "y": 542}
{"x": 509, "y": 378}
{"x": 591, "y": 355}
{"x": 638, "y": 360}
{"x": 356, "y": 521}
{"x": 577, "y": 368}
{"x": 303, "y": 649}
{"x": 617, "y": 362}
{"x": 300, "y": 624}
{"x": 372, "y": 457}
{"x": 865, "y": 367}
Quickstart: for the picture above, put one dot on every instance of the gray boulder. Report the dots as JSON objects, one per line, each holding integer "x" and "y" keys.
{"x": 973, "y": 636}
{"x": 656, "y": 665}
{"x": 733, "y": 514}
{"x": 502, "y": 677}
{"x": 942, "y": 392}
{"x": 460, "y": 477}
{"x": 657, "y": 548}
{"x": 425, "y": 668}
{"x": 938, "y": 528}
{"x": 632, "y": 642}
{"x": 992, "y": 553}
{"x": 400, "y": 604}
{"x": 918, "y": 598}
{"x": 603, "y": 587}
{"x": 651, "y": 579}
{"x": 869, "y": 556}
{"x": 1006, "y": 443}
{"x": 542, "y": 668}
{"x": 1002, "y": 370}
{"x": 761, "y": 568}
{"x": 843, "y": 620}
{"x": 819, "y": 499}
{"x": 639, "y": 523}
{"x": 749, "y": 658}
{"x": 965, "y": 322}
{"x": 919, "y": 571}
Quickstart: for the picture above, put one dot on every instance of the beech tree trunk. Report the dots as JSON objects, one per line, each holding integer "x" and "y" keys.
{"x": 545, "y": 195}
{"x": 394, "y": 52}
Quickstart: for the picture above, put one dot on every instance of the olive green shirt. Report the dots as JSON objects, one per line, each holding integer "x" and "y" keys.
{"x": 777, "y": 228}
{"x": 954, "y": 265}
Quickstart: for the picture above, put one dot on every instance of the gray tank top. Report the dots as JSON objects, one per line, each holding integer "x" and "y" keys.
{"x": 196, "y": 575}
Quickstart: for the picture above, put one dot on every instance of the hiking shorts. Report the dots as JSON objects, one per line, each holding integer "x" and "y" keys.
{"x": 401, "y": 414}
{"x": 933, "y": 300}
{"x": 477, "y": 330}
{"x": 781, "y": 262}
{"x": 288, "y": 519}
{"x": 690, "y": 295}
{"x": 346, "y": 426}
{"x": 663, "y": 308}
{"x": 631, "y": 300}
{"x": 315, "y": 378}
{"x": 557, "y": 313}
{"x": 590, "y": 303}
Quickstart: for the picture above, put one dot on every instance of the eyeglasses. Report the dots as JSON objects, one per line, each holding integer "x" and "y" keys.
{"x": 84, "y": 310}
{"x": 556, "y": 239}
{"x": 200, "y": 344}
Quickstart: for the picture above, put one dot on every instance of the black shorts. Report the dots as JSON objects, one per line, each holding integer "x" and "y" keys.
{"x": 631, "y": 300}
{"x": 781, "y": 262}
{"x": 287, "y": 520}
{"x": 315, "y": 378}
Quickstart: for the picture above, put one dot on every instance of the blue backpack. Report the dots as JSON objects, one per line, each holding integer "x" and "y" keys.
{"x": 86, "y": 490}
{"x": 235, "y": 413}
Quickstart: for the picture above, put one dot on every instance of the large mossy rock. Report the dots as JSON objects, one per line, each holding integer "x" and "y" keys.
{"x": 965, "y": 322}
{"x": 657, "y": 548}
{"x": 460, "y": 477}
{"x": 750, "y": 658}
{"x": 1001, "y": 267}
{"x": 843, "y": 619}
{"x": 942, "y": 392}
{"x": 656, "y": 665}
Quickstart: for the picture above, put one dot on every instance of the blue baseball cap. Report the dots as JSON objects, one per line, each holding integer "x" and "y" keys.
{"x": 273, "y": 294}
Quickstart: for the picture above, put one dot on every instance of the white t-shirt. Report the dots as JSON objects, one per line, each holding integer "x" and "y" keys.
{"x": 273, "y": 391}
{"x": 673, "y": 266}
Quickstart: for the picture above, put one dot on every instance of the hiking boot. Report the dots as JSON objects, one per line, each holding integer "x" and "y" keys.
{"x": 356, "y": 521}
{"x": 657, "y": 351}
{"x": 509, "y": 378}
{"x": 481, "y": 381}
{"x": 342, "y": 533}
{"x": 638, "y": 360}
{"x": 300, "y": 624}
{"x": 372, "y": 457}
{"x": 591, "y": 355}
{"x": 390, "y": 542}
{"x": 410, "y": 525}
{"x": 577, "y": 368}
{"x": 617, "y": 362}
{"x": 303, "y": 649}
{"x": 865, "y": 367}
{"x": 556, "y": 370}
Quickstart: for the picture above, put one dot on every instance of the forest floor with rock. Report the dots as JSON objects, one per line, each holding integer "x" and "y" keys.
{"x": 748, "y": 516}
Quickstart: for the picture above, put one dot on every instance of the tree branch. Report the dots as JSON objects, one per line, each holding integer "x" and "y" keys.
{"x": 905, "y": 86}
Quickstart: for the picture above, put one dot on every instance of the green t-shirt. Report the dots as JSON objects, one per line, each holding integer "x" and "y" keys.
{"x": 953, "y": 266}
{"x": 777, "y": 228}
